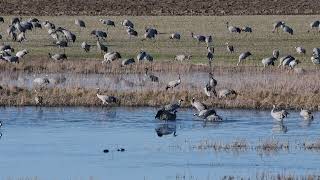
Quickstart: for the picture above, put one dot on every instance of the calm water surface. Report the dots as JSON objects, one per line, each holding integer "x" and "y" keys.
{"x": 68, "y": 143}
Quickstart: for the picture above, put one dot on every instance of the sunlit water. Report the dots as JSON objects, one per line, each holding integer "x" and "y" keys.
{"x": 68, "y": 143}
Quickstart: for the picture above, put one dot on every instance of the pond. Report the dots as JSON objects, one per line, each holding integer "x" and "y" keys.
{"x": 68, "y": 143}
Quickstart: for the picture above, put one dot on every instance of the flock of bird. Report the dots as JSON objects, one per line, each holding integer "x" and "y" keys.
{"x": 18, "y": 28}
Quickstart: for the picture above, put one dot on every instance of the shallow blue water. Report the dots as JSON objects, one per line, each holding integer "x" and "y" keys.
{"x": 67, "y": 143}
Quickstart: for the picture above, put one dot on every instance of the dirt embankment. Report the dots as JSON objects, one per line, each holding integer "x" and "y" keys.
{"x": 158, "y": 7}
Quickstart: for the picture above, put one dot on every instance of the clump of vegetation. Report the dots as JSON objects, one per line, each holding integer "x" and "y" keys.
{"x": 272, "y": 145}
{"x": 219, "y": 146}
{"x": 312, "y": 145}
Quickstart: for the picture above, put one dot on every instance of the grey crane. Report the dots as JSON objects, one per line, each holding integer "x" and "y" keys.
{"x": 276, "y": 53}
{"x": 211, "y": 86}
{"x": 107, "y": 22}
{"x": 85, "y": 46}
{"x": 268, "y": 61}
{"x": 175, "y": 35}
{"x": 198, "y": 105}
{"x": 306, "y": 114}
{"x": 199, "y": 38}
{"x": 15, "y": 20}
{"x": 314, "y": 25}
{"x": 152, "y": 77}
{"x": 57, "y": 57}
{"x": 127, "y": 23}
{"x": 80, "y": 23}
{"x": 173, "y": 106}
{"x": 127, "y": 61}
{"x": 101, "y": 47}
{"x": 316, "y": 52}
{"x": 1, "y": 19}
{"x": 300, "y": 50}
{"x": 210, "y": 55}
{"x": 233, "y": 29}
{"x": 131, "y": 32}
{"x": 315, "y": 59}
{"x": 278, "y": 115}
{"x": 11, "y": 59}
{"x": 49, "y": 25}
{"x": 277, "y": 25}
{"x": 243, "y": 56}
{"x": 286, "y": 60}
{"x": 6, "y": 48}
{"x": 230, "y": 48}
{"x": 246, "y": 29}
{"x": 293, "y": 63}
{"x": 287, "y": 29}
{"x": 174, "y": 83}
{"x": 62, "y": 44}
{"x": 144, "y": 56}
{"x": 106, "y": 99}
{"x": 21, "y": 37}
{"x": 208, "y": 40}
{"x": 182, "y": 57}
{"x": 69, "y": 36}
{"x": 166, "y": 115}
{"x": 111, "y": 56}
{"x": 224, "y": 93}
{"x": 22, "y": 53}
{"x": 99, "y": 34}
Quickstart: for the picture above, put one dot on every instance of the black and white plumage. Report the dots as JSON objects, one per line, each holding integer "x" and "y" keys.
{"x": 127, "y": 62}
{"x": 268, "y": 61}
{"x": 11, "y": 59}
{"x": 131, "y": 32}
{"x": 107, "y": 99}
{"x": 174, "y": 83}
{"x": 279, "y": 115}
{"x": 127, "y": 23}
{"x": 246, "y": 29}
{"x": 276, "y": 53}
{"x": 243, "y": 56}
{"x": 277, "y": 25}
{"x": 22, "y": 53}
{"x": 230, "y": 48}
{"x": 152, "y": 77}
{"x": 210, "y": 55}
{"x": 175, "y": 35}
{"x": 306, "y": 114}
{"x": 287, "y": 29}
{"x": 144, "y": 56}
{"x": 284, "y": 61}
{"x": 233, "y": 29}
{"x": 300, "y": 50}
{"x": 1, "y": 19}
{"x": 111, "y": 56}
{"x": 101, "y": 47}
{"x": 58, "y": 56}
{"x": 107, "y": 22}
{"x": 80, "y": 23}
{"x": 199, "y": 38}
{"x": 315, "y": 59}
{"x": 85, "y": 46}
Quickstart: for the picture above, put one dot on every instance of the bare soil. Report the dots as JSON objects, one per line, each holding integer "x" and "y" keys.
{"x": 158, "y": 7}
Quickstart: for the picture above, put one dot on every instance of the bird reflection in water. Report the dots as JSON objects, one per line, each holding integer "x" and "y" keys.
{"x": 166, "y": 129}
{"x": 279, "y": 128}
